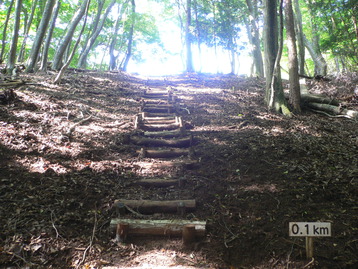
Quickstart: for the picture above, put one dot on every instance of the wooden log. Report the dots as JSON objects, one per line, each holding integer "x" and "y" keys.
{"x": 335, "y": 110}
{"x": 172, "y": 153}
{"x": 158, "y": 109}
{"x": 152, "y": 114}
{"x": 150, "y": 207}
{"x": 312, "y": 98}
{"x": 150, "y": 142}
{"x": 159, "y": 121}
{"x": 159, "y": 182}
{"x": 159, "y": 227}
{"x": 158, "y": 105}
{"x": 166, "y": 134}
{"x": 159, "y": 127}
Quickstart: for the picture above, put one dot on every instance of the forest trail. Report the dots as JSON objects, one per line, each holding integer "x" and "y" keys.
{"x": 69, "y": 151}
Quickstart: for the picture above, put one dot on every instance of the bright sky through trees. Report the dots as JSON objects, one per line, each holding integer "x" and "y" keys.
{"x": 169, "y": 60}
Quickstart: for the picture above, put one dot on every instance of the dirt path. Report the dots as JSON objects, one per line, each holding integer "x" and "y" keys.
{"x": 65, "y": 158}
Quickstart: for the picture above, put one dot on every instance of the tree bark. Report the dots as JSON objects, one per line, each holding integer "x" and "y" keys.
{"x": 12, "y": 55}
{"x": 254, "y": 37}
{"x": 299, "y": 34}
{"x": 43, "y": 66}
{"x": 66, "y": 65}
{"x": 97, "y": 28}
{"x": 113, "y": 58}
{"x": 189, "y": 56}
{"x": 20, "y": 58}
{"x": 130, "y": 39}
{"x": 275, "y": 98}
{"x": 41, "y": 31}
{"x": 295, "y": 94}
{"x": 4, "y": 32}
{"x": 59, "y": 56}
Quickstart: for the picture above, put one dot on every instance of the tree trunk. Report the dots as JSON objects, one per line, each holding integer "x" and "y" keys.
{"x": 189, "y": 56}
{"x": 320, "y": 64}
{"x": 59, "y": 56}
{"x": 130, "y": 39}
{"x": 12, "y": 55}
{"x": 43, "y": 66}
{"x": 254, "y": 37}
{"x": 20, "y": 58}
{"x": 97, "y": 28}
{"x": 66, "y": 65}
{"x": 299, "y": 34}
{"x": 40, "y": 34}
{"x": 275, "y": 98}
{"x": 4, "y": 32}
{"x": 113, "y": 58}
{"x": 295, "y": 95}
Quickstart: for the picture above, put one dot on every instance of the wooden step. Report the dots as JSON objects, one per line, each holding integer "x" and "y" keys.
{"x": 159, "y": 127}
{"x": 163, "y": 153}
{"x": 180, "y": 132}
{"x": 159, "y": 182}
{"x": 150, "y": 207}
{"x": 139, "y": 227}
{"x": 155, "y": 142}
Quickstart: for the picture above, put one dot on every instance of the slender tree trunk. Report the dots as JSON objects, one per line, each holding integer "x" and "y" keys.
{"x": 320, "y": 64}
{"x": 59, "y": 56}
{"x": 314, "y": 47}
{"x": 43, "y": 66}
{"x": 4, "y": 32}
{"x": 198, "y": 33}
{"x": 82, "y": 62}
{"x": 130, "y": 39}
{"x": 12, "y": 56}
{"x": 189, "y": 56}
{"x": 67, "y": 64}
{"x": 41, "y": 31}
{"x": 254, "y": 37}
{"x": 274, "y": 92}
{"x": 295, "y": 94}
{"x": 97, "y": 29}
{"x": 20, "y": 58}
{"x": 299, "y": 34}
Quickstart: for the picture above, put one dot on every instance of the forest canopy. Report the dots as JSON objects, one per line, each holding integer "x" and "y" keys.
{"x": 112, "y": 33}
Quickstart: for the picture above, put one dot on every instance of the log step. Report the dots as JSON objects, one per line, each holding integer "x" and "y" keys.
{"x": 159, "y": 127}
{"x": 150, "y": 207}
{"x": 151, "y": 142}
{"x": 159, "y": 182}
{"x": 151, "y": 114}
{"x": 136, "y": 227}
{"x": 180, "y": 132}
{"x": 171, "y": 153}
{"x": 158, "y": 109}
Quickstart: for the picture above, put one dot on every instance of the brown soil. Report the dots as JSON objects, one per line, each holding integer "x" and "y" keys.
{"x": 64, "y": 160}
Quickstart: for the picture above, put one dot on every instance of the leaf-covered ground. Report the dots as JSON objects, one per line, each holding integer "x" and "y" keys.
{"x": 64, "y": 160}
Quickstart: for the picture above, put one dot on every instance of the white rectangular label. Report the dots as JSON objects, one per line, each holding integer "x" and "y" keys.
{"x": 313, "y": 229}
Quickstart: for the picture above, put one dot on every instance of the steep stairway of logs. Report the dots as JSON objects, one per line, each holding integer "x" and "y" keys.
{"x": 160, "y": 134}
